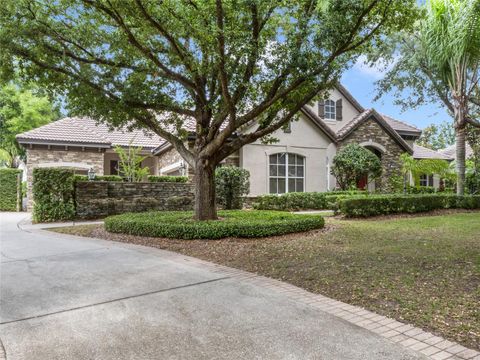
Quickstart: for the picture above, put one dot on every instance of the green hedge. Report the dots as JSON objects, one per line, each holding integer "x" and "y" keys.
{"x": 394, "y": 204}
{"x": 180, "y": 179}
{"x": 53, "y": 194}
{"x": 304, "y": 200}
{"x": 233, "y": 223}
{"x": 99, "y": 178}
{"x": 291, "y": 201}
{"x": 10, "y": 189}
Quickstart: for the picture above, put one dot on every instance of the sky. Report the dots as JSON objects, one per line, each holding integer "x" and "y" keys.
{"x": 359, "y": 80}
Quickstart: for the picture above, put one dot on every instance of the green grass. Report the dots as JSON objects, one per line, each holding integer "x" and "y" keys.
{"x": 235, "y": 223}
{"x": 420, "y": 270}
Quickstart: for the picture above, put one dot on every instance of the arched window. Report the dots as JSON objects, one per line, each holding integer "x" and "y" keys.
{"x": 330, "y": 109}
{"x": 286, "y": 173}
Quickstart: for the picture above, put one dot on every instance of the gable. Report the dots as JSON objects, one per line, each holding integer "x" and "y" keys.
{"x": 372, "y": 130}
{"x": 305, "y": 132}
{"x": 350, "y": 108}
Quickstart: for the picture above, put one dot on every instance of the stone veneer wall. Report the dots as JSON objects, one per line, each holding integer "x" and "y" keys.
{"x": 54, "y": 157}
{"x": 370, "y": 130}
{"x": 169, "y": 157}
{"x": 172, "y": 156}
{"x": 95, "y": 199}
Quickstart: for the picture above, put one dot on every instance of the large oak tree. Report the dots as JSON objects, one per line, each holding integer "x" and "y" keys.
{"x": 237, "y": 69}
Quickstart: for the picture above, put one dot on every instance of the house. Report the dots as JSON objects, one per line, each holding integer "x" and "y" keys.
{"x": 82, "y": 144}
{"x": 299, "y": 161}
{"x": 302, "y": 157}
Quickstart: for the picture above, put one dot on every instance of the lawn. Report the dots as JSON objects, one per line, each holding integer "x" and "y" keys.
{"x": 422, "y": 270}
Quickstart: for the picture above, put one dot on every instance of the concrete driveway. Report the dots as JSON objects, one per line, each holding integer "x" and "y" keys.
{"x": 66, "y": 297}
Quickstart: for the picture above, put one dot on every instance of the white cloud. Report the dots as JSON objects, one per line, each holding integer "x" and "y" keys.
{"x": 375, "y": 71}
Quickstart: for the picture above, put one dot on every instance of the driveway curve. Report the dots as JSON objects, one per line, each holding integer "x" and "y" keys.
{"x": 67, "y": 297}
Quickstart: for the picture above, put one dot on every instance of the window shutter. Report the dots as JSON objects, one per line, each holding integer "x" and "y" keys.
{"x": 338, "y": 109}
{"x": 321, "y": 109}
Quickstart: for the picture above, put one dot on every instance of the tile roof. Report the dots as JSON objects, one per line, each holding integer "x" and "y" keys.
{"x": 401, "y": 126}
{"x": 85, "y": 131}
{"x": 450, "y": 151}
{"x": 420, "y": 152}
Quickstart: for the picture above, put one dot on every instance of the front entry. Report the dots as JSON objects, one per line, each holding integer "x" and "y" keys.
{"x": 362, "y": 183}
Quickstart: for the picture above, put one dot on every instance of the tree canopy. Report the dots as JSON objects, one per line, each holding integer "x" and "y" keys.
{"x": 440, "y": 61}
{"x": 21, "y": 109}
{"x": 437, "y": 137}
{"x": 231, "y": 72}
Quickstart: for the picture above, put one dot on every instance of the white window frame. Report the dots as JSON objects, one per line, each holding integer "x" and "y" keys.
{"x": 426, "y": 180}
{"x": 286, "y": 176}
{"x": 329, "y": 110}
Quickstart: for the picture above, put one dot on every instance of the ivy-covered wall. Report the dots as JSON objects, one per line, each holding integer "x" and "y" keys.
{"x": 53, "y": 194}
{"x": 10, "y": 190}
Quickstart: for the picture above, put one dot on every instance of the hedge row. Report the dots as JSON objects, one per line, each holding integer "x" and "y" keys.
{"x": 99, "y": 178}
{"x": 53, "y": 194}
{"x": 394, "y": 204}
{"x": 303, "y": 201}
{"x": 150, "y": 178}
{"x": 10, "y": 190}
{"x": 233, "y": 223}
{"x": 165, "y": 178}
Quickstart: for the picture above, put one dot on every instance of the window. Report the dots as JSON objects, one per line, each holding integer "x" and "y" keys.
{"x": 286, "y": 173}
{"x": 426, "y": 180}
{"x": 330, "y": 109}
{"x": 113, "y": 167}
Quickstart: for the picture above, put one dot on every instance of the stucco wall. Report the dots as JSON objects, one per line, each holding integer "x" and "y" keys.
{"x": 54, "y": 157}
{"x": 348, "y": 110}
{"x": 305, "y": 139}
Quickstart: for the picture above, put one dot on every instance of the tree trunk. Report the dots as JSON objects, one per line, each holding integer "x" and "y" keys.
{"x": 205, "y": 202}
{"x": 460, "y": 158}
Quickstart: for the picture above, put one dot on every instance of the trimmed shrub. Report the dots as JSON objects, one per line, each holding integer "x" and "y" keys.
{"x": 394, "y": 204}
{"x": 304, "y": 201}
{"x": 80, "y": 178}
{"x": 233, "y": 223}
{"x": 420, "y": 189}
{"x": 472, "y": 183}
{"x": 231, "y": 185}
{"x": 108, "y": 178}
{"x": 165, "y": 178}
{"x": 352, "y": 163}
{"x": 53, "y": 194}
{"x": 10, "y": 189}
{"x": 291, "y": 201}
{"x": 99, "y": 178}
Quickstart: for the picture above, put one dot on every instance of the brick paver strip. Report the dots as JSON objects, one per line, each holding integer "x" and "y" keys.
{"x": 434, "y": 347}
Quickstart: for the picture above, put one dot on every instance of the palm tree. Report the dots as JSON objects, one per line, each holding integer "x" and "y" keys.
{"x": 450, "y": 38}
